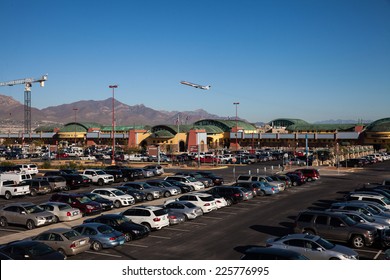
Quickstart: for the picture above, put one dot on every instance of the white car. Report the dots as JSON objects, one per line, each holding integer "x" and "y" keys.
{"x": 153, "y": 217}
{"x": 205, "y": 201}
{"x": 31, "y": 169}
{"x": 118, "y": 197}
{"x": 187, "y": 180}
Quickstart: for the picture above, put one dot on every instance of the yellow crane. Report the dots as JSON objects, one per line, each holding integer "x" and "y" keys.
{"x": 27, "y": 96}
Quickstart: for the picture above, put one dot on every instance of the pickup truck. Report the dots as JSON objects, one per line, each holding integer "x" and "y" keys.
{"x": 137, "y": 157}
{"x": 98, "y": 176}
{"x": 8, "y": 189}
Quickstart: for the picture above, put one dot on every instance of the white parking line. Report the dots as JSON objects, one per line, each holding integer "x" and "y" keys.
{"x": 377, "y": 254}
{"x": 103, "y": 254}
{"x": 177, "y": 229}
{"x": 226, "y": 212}
{"x": 11, "y": 230}
{"x": 161, "y": 237}
{"x": 196, "y": 223}
{"x": 135, "y": 245}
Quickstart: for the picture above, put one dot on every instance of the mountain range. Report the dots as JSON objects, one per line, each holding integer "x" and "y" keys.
{"x": 98, "y": 112}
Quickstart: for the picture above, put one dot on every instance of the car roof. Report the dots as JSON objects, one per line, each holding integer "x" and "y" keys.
{"x": 149, "y": 207}
{"x": 57, "y": 230}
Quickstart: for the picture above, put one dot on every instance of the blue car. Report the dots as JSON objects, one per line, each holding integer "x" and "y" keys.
{"x": 101, "y": 235}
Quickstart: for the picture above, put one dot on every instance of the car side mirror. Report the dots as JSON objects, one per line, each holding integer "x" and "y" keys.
{"x": 23, "y": 212}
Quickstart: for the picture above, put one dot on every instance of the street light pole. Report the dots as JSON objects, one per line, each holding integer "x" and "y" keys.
{"x": 113, "y": 87}
{"x": 75, "y": 121}
{"x": 236, "y": 104}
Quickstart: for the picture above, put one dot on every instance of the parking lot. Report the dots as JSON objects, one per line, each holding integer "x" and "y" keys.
{"x": 227, "y": 232}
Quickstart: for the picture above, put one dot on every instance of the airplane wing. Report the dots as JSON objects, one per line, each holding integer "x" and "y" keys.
{"x": 195, "y": 85}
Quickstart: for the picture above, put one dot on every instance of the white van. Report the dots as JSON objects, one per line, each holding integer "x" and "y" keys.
{"x": 28, "y": 168}
{"x": 17, "y": 177}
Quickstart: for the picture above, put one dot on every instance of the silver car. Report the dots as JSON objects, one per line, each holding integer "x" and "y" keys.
{"x": 313, "y": 247}
{"x": 62, "y": 212}
{"x": 190, "y": 210}
{"x": 25, "y": 213}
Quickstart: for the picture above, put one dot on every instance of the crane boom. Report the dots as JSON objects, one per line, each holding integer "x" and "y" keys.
{"x": 40, "y": 80}
{"x": 27, "y": 96}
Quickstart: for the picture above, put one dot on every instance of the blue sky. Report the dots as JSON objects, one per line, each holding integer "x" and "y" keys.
{"x": 309, "y": 59}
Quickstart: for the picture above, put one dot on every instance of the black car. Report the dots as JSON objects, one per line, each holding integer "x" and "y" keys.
{"x": 73, "y": 181}
{"x": 105, "y": 203}
{"x": 128, "y": 173}
{"x": 183, "y": 187}
{"x": 250, "y": 186}
{"x": 118, "y": 175}
{"x": 217, "y": 180}
{"x": 122, "y": 224}
{"x": 138, "y": 196}
{"x": 269, "y": 253}
{"x": 31, "y": 250}
{"x": 295, "y": 179}
{"x": 231, "y": 194}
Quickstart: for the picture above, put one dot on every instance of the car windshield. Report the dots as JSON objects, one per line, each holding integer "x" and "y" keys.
{"x": 191, "y": 179}
{"x": 160, "y": 212}
{"x": 122, "y": 219}
{"x": 83, "y": 199}
{"x": 373, "y": 209}
{"x": 64, "y": 207}
{"x": 105, "y": 229}
{"x": 206, "y": 198}
{"x": 189, "y": 205}
{"x": 100, "y": 172}
{"x": 269, "y": 179}
{"x": 118, "y": 192}
{"x": 349, "y": 221}
{"x": 70, "y": 234}
{"x": 325, "y": 243}
{"x": 93, "y": 196}
{"x": 33, "y": 209}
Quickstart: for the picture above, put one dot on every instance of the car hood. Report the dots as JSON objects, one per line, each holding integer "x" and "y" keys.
{"x": 344, "y": 250}
{"x": 132, "y": 226}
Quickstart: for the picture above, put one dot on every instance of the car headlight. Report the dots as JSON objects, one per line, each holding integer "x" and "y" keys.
{"x": 136, "y": 231}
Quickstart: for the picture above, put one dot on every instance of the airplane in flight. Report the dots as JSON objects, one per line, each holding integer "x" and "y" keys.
{"x": 195, "y": 85}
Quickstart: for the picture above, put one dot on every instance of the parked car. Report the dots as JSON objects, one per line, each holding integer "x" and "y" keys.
{"x": 361, "y": 207}
{"x": 313, "y": 247}
{"x": 205, "y": 201}
{"x": 217, "y": 180}
{"x": 57, "y": 183}
{"x": 156, "y": 168}
{"x": 150, "y": 191}
{"x": 100, "y": 235}
{"x": 335, "y": 226}
{"x": 295, "y": 179}
{"x": 183, "y": 187}
{"x": 80, "y": 201}
{"x": 62, "y": 212}
{"x": 258, "y": 188}
{"x": 207, "y": 182}
{"x": 25, "y": 213}
{"x": 106, "y": 204}
{"x": 38, "y": 187}
{"x": 231, "y": 194}
{"x": 119, "y": 198}
{"x": 166, "y": 188}
{"x": 271, "y": 253}
{"x": 311, "y": 174}
{"x": 129, "y": 174}
{"x": 153, "y": 217}
{"x": 190, "y": 210}
{"x": 30, "y": 250}
{"x": 131, "y": 231}
{"x": 385, "y": 238}
{"x": 28, "y": 168}
{"x": 359, "y": 196}
{"x": 261, "y": 178}
{"x": 137, "y": 195}
{"x": 64, "y": 240}
{"x": 188, "y": 180}
{"x": 175, "y": 217}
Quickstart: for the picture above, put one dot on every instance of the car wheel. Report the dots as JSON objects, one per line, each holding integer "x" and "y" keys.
{"x": 8, "y": 195}
{"x": 229, "y": 202}
{"x": 125, "y": 179}
{"x": 357, "y": 241}
{"x": 309, "y": 179}
{"x": 117, "y": 204}
{"x": 167, "y": 194}
{"x": 308, "y": 231}
{"x": 149, "y": 197}
{"x": 3, "y": 222}
{"x": 62, "y": 251}
{"x": 96, "y": 246}
{"x": 66, "y": 188}
{"x": 100, "y": 182}
{"x": 294, "y": 184}
{"x": 33, "y": 192}
{"x": 147, "y": 225}
{"x": 30, "y": 224}
{"x": 128, "y": 237}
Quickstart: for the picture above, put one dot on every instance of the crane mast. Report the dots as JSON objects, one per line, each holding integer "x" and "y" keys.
{"x": 27, "y": 96}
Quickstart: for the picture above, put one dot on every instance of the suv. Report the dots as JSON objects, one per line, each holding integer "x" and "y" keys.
{"x": 119, "y": 198}
{"x": 384, "y": 201}
{"x": 57, "y": 183}
{"x": 232, "y": 195}
{"x": 25, "y": 213}
{"x": 152, "y": 217}
{"x": 31, "y": 169}
{"x": 38, "y": 187}
{"x": 98, "y": 176}
{"x": 80, "y": 201}
{"x": 311, "y": 174}
{"x": 335, "y": 226}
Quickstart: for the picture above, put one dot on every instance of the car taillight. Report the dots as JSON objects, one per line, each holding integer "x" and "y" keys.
{"x": 237, "y": 194}
{"x": 112, "y": 238}
{"x": 73, "y": 245}
{"x": 156, "y": 219}
{"x": 207, "y": 204}
{"x": 172, "y": 217}
{"x": 68, "y": 214}
{"x": 272, "y": 189}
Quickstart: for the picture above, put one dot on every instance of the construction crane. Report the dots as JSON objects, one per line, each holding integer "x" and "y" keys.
{"x": 27, "y": 96}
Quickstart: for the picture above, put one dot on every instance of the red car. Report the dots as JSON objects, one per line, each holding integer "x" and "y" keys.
{"x": 311, "y": 174}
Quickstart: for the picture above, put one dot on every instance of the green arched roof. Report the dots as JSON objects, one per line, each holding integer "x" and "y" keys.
{"x": 79, "y": 127}
{"x": 287, "y": 122}
{"x": 48, "y": 128}
{"x": 321, "y": 127}
{"x": 381, "y": 125}
{"x": 225, "y": 125}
